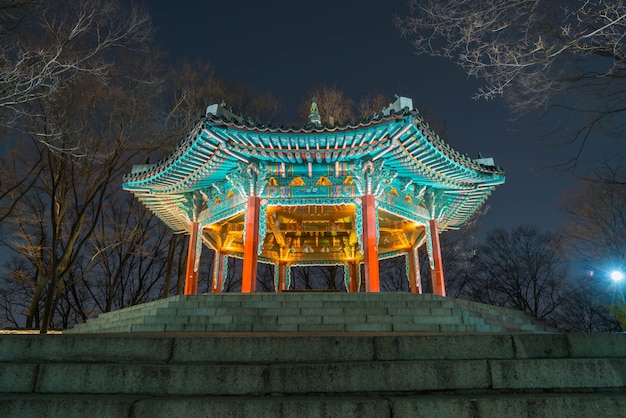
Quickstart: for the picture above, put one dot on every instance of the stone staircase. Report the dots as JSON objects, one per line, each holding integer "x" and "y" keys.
{"x": 302, "y": 374}
{"x": 313, "y": 312}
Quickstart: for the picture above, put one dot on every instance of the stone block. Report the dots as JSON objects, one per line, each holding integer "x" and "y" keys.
{"x": 443, "y": 347}
{"x": 278, "y": 311}
{"x": 298, "y": 319}
{"x": 249, "y": 319}
{"x": 441, "y": 311}
{"x": 388, "y": 319}
{"x": 263, "y": 349}
{"x": 102, "y": 347}
{"x": 185, "y": 327}
{"x": 196, "y": 379}
{"x": 363, "y": 377}
{"x": 448, "y": 328}
{"x": 169, "y": 319}
{"x": 300, "y": 304}
{"x": 220, "y": 319}
{"x": 200, "y": 311}
{"x": 343, "y": 319}
{"x": 597, "y": 345}
{"x": 369, "y": 327}
{"x": 552, "y": 405}
{"x": 337, "y": 310}
{"x": 451, "y": 319}
{"x": 414, "y": 311}
{"x": 510, "y": 405}
{"x": 200, "y": 319}
{"x": 558, "y": 373}
{"x": 66, "y": 406}
{"x": 17, "y": 378}
{"x": 369, "y": 310}
{"x": 277, "y": 407}
{"x": 147, "y": 327}
{"x": 528, "y": 346}
{"x": 221, "y": 310}
{"x": 434, "y": 406}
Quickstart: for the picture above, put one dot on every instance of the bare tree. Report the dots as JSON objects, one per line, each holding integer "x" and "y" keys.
{"x": 232, "y": 280}
{"x": 533, "y": 53}
{"x": 522, "y": 269}
{"x": 192, "y": 86}
{"x": 129, "y": 256}
{"x": 265, "y": 278}
{"x": 393, "y": 274}
{"x": 56, "y": 219}
{"x": 458, "y": 249}
{"x": 17, "y": 177}
{"x": 595, "y": 214}
{"x": 332, "y": 277}
{"x": 620, "y": 315}
{"x": 48, "y": 45}
{"x": 586, "y": 307}
{"x": 303, "y": 277}
{"x": 595, "y": 228}
{"x": 372, "y": 104}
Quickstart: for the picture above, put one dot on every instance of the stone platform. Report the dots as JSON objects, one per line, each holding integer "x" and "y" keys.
{"x": 313, "y": 312}
{"x": 291, "y": 355}
{"x": 313, "y": 375}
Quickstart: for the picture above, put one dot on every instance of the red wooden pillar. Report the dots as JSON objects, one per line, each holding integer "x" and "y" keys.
{"x": 218, "y": 272}
{"x": 354, "y": 276}
{"x": 370, "y": 244}
{"x": 191, "y": 274}
{"x": 282, "y": 276}
{"x": 250, "y": 246}
{"x": 436, "y": 274}
{"x": 414, "y": 271}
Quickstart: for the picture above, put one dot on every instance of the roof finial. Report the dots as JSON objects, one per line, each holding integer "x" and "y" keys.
{"x": 314, "y": 116}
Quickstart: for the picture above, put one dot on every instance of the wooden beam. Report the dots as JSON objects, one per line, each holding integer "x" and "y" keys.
{"x": 250, "y": 246}
{"x": 191, "y": 274}
{"x": 354, "y": 276}
{"x": 218, "y": 272}
{"x": 415, "y": 279}
{"x": 370, "y": 244}
{"x": 282, "y": 276}
{"x": 436, "y": 274}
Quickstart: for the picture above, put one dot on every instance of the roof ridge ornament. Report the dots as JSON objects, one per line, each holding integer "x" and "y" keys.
{"x": 314, "y": 115}
{"x": 224, "y": 113}
{"x": 400, "y": 103}
{"x": 488, "y": 161}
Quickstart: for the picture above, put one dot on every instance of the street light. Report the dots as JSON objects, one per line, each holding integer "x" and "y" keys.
{"x": 617, "y": 275}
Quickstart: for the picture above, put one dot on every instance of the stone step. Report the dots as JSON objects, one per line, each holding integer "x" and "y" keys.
{"x": 321, "y": 312}
{"x": 337, "y": 378}
{"x": 265, "y": 348}
{"x": 373, "y": 406}
{"x": 298, "y": 374}
{"x": 185, "y": 370}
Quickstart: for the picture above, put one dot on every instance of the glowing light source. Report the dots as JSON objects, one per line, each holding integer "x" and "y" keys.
{"x": 617, "y": 275}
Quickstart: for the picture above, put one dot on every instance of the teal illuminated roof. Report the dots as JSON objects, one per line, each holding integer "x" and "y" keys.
{"x": 397, "y": 139}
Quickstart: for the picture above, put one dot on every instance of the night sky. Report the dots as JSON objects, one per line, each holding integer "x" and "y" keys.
{"x": 288, "y": 47}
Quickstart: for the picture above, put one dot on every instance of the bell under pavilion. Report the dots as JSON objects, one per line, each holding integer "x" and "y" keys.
{"x": 346, "y": 195}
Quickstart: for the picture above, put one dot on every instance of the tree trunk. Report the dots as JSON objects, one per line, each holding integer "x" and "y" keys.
{"x": 169, "y": 264}
{"x": 48, "y": 306}
{"x": 181, "y": 269}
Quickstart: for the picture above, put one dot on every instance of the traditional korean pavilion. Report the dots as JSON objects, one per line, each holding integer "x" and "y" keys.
{"x": 315, "y": 195}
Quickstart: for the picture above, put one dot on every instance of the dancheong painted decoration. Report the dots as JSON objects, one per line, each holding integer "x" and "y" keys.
{"x": 318, "y": 194}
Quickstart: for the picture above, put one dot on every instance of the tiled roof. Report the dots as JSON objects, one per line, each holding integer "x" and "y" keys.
{"x": 398, "y": 136}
